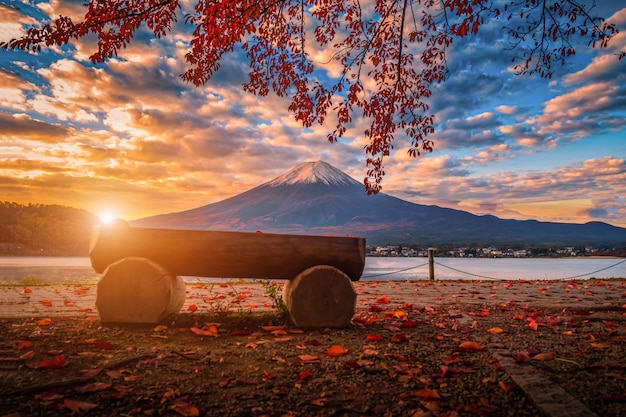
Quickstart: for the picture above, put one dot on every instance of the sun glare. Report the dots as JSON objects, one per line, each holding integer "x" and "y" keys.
{"x": 106, "y": 218}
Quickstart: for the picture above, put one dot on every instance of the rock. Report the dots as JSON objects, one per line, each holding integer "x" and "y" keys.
{"x": 138, "y": 290}
{"x": 320, "y": 296}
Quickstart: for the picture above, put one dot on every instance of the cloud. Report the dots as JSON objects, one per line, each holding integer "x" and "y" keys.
{"x": 23, "y": 126}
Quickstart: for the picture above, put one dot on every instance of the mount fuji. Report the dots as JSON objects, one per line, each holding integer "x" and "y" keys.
{"x": 317, "y": 198}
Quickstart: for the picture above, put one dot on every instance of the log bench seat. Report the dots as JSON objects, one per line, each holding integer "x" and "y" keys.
{"x": 142, "y": 267}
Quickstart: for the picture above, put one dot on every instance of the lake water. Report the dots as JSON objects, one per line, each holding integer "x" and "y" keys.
{"x": 70, "y": 270}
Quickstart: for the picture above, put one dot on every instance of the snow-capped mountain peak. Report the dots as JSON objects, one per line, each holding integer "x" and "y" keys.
{"x": 314, "y": 172}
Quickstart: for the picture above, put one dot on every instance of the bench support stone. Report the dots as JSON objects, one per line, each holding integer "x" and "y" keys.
{"x": 138, "y": 290}
{"x": 321, "y": 296}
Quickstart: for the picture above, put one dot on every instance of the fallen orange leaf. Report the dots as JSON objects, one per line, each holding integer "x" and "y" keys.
{"x": 428, "y": 394}
{"x": 45, "y": 322}
{"x": 304, "y": 375}
{"x": 336, "y": 350}
{"x": 546, "y": 356}
{"x": 382, "y": 299}
{"x": 210, "y": 331}
{"x": 495, "y": 330}
{"x": 470, "y": 347}
{"x": 309, "y": 358}
{"x": 192, "y": 307}
{"x": 24, "y": 344}
{"x": 78, "y": 406}
{"x": 58, "y": 362}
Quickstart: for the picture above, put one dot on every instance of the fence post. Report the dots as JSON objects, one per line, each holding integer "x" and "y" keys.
{"x": 431, "y": 264}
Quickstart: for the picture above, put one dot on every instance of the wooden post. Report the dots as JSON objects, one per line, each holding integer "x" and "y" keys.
{"x": 431, "y": 264}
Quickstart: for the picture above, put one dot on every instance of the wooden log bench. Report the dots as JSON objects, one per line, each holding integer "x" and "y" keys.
{"x": 142, "y": 269}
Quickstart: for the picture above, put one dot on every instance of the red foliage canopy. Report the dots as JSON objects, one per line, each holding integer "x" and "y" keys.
{"x": 390, "y": 51}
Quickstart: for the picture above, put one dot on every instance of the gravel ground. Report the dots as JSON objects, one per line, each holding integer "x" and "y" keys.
{"x": 401, "y": 356}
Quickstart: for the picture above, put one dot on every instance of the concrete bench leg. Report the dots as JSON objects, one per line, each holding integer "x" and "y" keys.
{"x": 321, "y": 296}
{"x": 138, "y": 290}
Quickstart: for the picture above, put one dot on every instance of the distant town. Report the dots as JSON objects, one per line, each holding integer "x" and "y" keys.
{"x": 493, "y": 252}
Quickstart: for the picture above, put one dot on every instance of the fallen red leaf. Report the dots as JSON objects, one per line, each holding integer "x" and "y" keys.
{"x": 382, "y": 299}
{"x": 192, "y": 307}
{"x": 93, "y": 387}
{"x": 374, "y": 338}
{"x": 336, "y": 351}
{"x": 399, "y": 338}
{"x": 409, "y": 324}
{"x": 24, "y": 344}
{"x": 269, "y": 375}
{"x": 304, "y": 375}
{"x": 309, "y": 358}
{"x": 78, "y": 406}
{"x": 185, "y": 409}
{"x": 505, "y": 388}
{"x": 469, "y": 347}
{"x": 207, "y": 331}
{"x": 427, "y": 394}
{"x": 495, "y": 330}
{"x": 101, "y": 344}
{"x": 45, "y": 322}
{"x": 58, "y": 362}
{"x": 546, "y": 356}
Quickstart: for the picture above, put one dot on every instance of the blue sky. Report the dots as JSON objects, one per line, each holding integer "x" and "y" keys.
{"x": 129, "y": 137}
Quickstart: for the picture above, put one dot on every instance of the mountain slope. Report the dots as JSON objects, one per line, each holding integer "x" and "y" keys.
{"x": 316, "y": 198}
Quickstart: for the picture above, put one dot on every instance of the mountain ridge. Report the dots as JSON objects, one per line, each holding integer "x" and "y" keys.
{"x": 317, "y": 198}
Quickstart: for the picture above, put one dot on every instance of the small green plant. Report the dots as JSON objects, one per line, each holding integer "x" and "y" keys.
{"x": 273, "y": 291}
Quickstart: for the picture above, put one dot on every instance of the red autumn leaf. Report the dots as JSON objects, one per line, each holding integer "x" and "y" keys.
{"x": 58, "y": 362}
{"x": 383, "y": 299}
{"x": 309, "y": 359}
{"x": 374, "y": 338}
{"x": 521, "y": 357}
{"x": 304, "y": 375}
{"x": 26, "y": 291}
{"x": 101, "y": 344}
{"x": 469, "y": 347}
{"x": 532, "y": 324}
{"x": 28, "y": 355}
{"x": 546, "y": 356}
{"x": 376, "y": 308}
{"x": 409, "y": 324}
{"x": 451, "y": 359}
{"x": 505, "y": 388}
{"x": 192, "y": 307}
{"x": 399, "y": 338}
{"x": 269, "y": 375}
{"x": 320, "y": 402}
{"x": 185, "y": 409}
{"x": 271, "y": 329}
{"x": 78, "y": 406}
{"x": 495, "y": 330}
{"x": 45, "y": 322}
{"x": 205, "y": 331}
{"x": 93, "y": 387}
{"x": 336, "y": 350}
{"x": 241, "y": 332}
{"x": 24, "y": 344}
{"x": 427, "y": 394}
